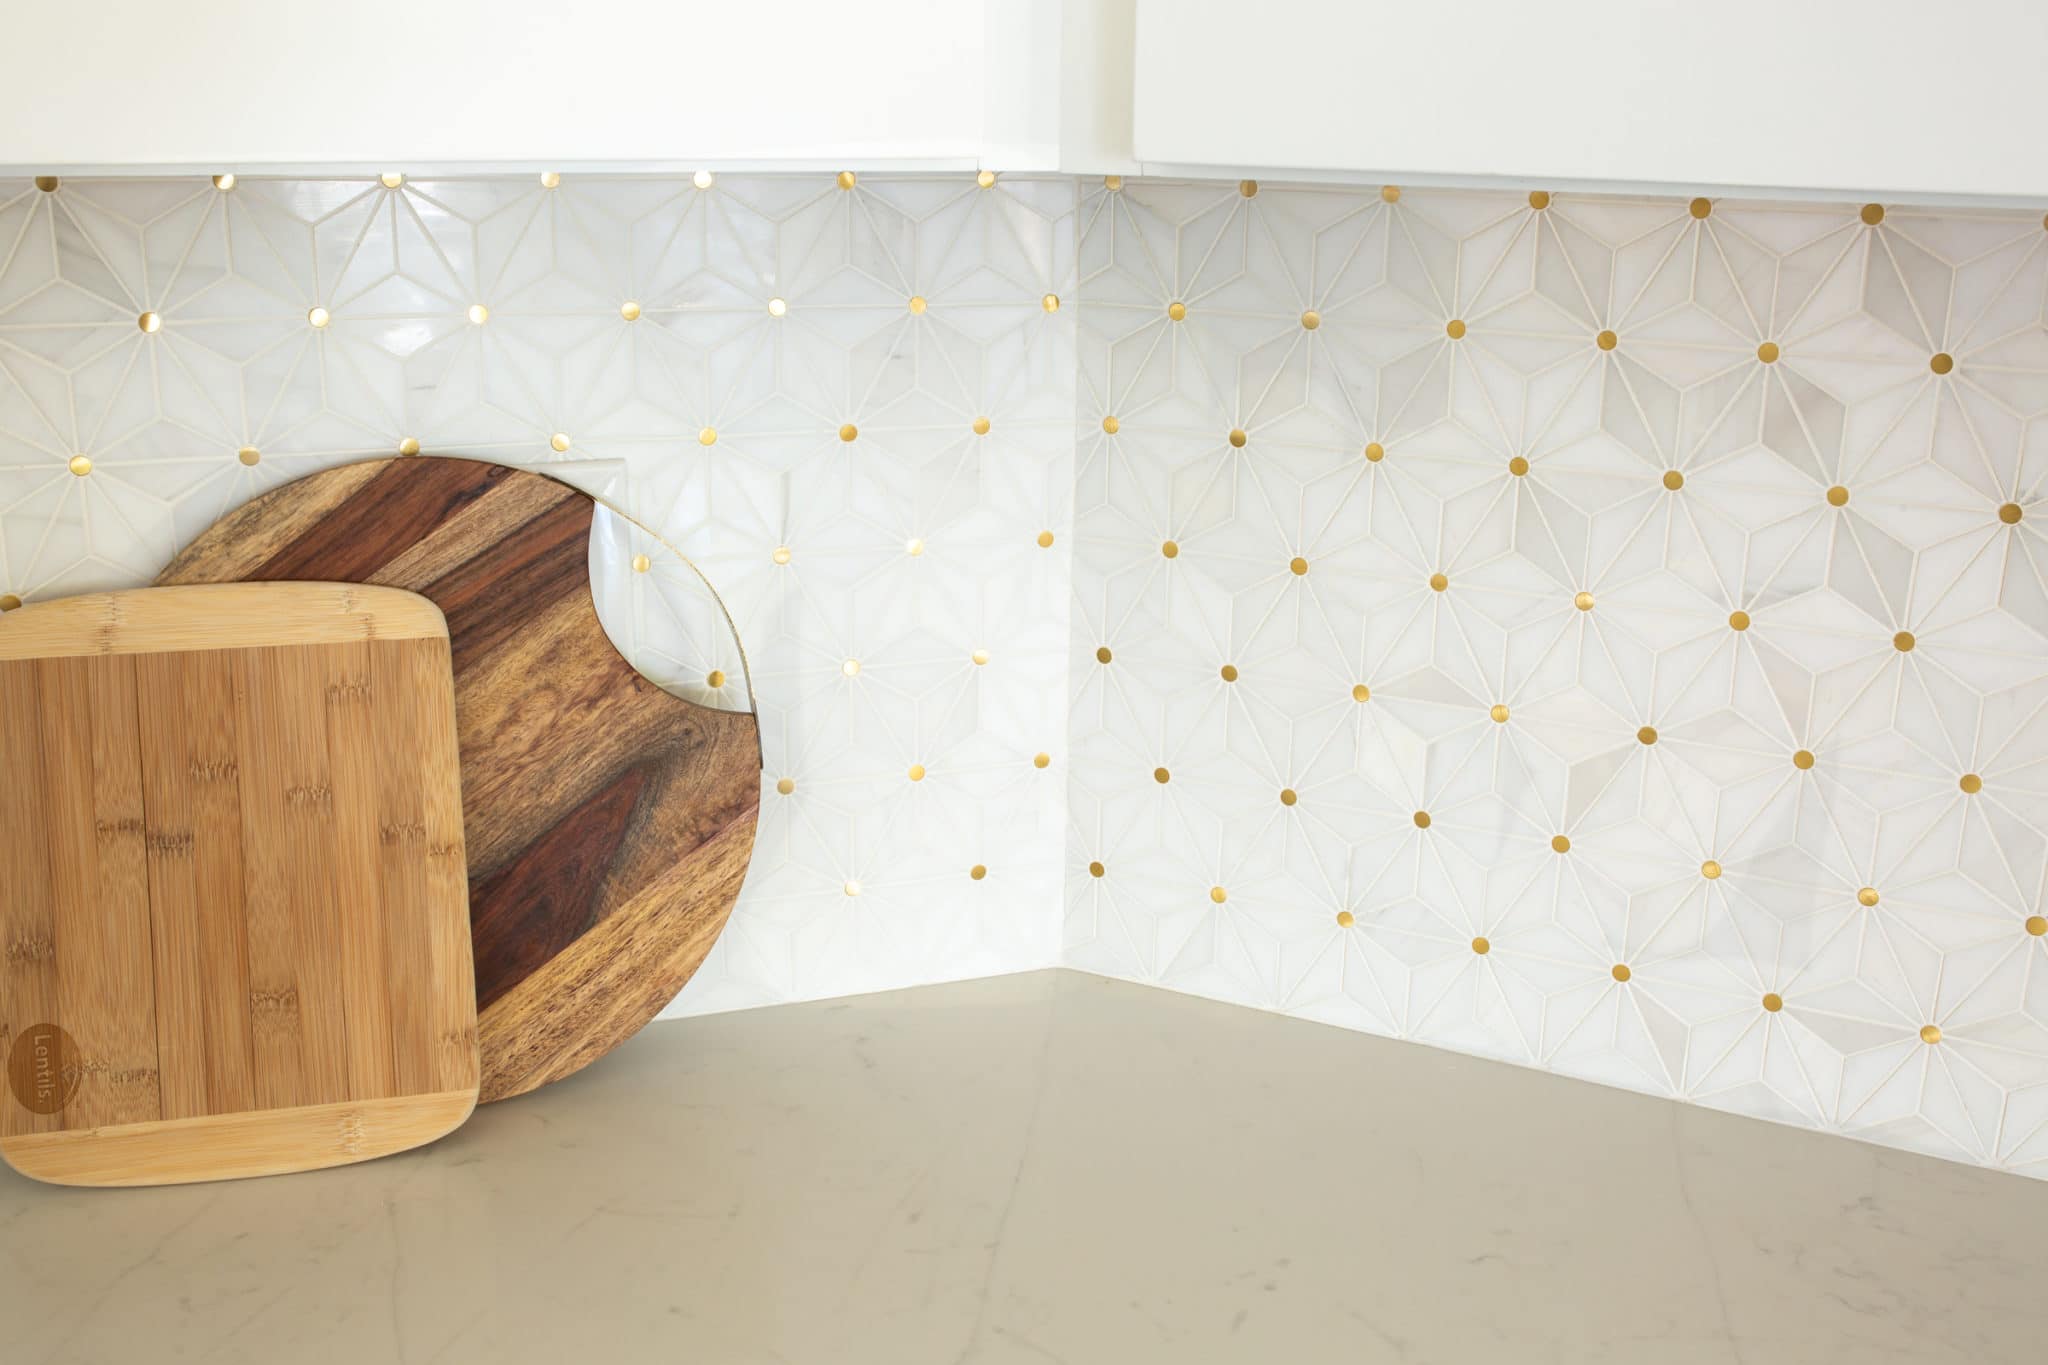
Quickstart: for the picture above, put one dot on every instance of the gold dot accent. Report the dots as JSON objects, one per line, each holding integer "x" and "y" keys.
{"x": 1481, "y": 946}
{"x": 1238, "y": 438}
{"x": 848, "y": 432}
{"x": 1583, "y": 601}
{"x": 1803, "y": 759}
{"x": 560, "y": 440}
{"x": 81, "y": 465}
{"x": 1873, "y": 214}
{"x": 1375, "y": 452}
{"x": 1867, "y": 897}
{"x": 1930, "y": 1034}
{"x": 1050, "y": 303}
{"x": 1673, "y": 480}
{"x": 1287, "y": 796}
{"x": 985, "y": 179}
{"x": 550, "y": 180}
{"x": 1539, "y": 200}
{"x": 1941, "y": 362}
{"x": 1560, "y": 844}
{"x": 1112, "y": 183}
{"x": 1647, "y": 735}
{"x": 1177, "y": 310}
{"x": 1437, "y": 582}
{"x": 150, "y": 322}
{"x": 1361, "y": 693}
{"x": 630, "y": 311}
{"x": 1620, "y": 972}
{"x": 914, "y": 546}
{"x": 1345, "y": 919}
{"x": 918, "y": 304}
{"x": 715, "y": 679}
{"x": 979, "y": 870}
{"x": 1390, "y": 194}
{"x": 1607, "y": 340}
{"x": 224, "y": 183}
{"x": 9, "y": 602}
{"x": 409, "y": 446}
{"x": 1096, "y": 869}
{"x": 980, "y": 656}
{"x": 781, "y": 554}
{"x": 391, "y": 180}
{"x": 1773, "y": 1002}
{"x": 1710, "y": 869}
{"x": 1161, "y": 776}
{"x": 916, "y": 773}
{"x": 1768, "y": 352}
{"x": 1297, "y": 566}
{"x": 47, "y": 183}
{"x": 318, "y": 317}
{"x": 707, "y": 436}
{"x": 479, "y": 314}
{"x": 1045, "y": 540}
{"x": 786, "y": 785}
{"x": 847, "y": 180}
{"x": 1111, "y": 425}
{"x": 1838, "y": 496}
{"x": 850, "y": 668}
{"x": 1738, "y": 620}
{"x": 1518, "y": 466}
{"x": 641, "y": 563}
{"x": 1218, "y": 894}
{"x": 1248, "y": 188}
{"x": 1422, "y": 819}
{"x": 2037, "y": 925}
{"x": 703, "y": 180}
{"x": 249, "y": 455}
{"x": 852, "y": 888}
{"x": 1499, "y": 712}
{"x": 1310, "y": 320}
{"x": 1228, "y": 672}
{"x": 1102, "y": 654}
{"x": 1455, "y": 329}
{"x": 1970, "y": 783}
{"x": 1170, "y": 549}
{"x": 980, "y": 426}
{"x": 1041, "y": 760}
{"x": 1903, "y": 641}
{"x": 2010, "y": 513}
{"x": 1700, "y": 208}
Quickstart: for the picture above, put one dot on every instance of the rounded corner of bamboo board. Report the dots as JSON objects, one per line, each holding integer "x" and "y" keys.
{"x": 204, "y": 616}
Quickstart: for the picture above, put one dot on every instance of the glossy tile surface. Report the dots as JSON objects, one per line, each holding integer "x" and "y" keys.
{"x": 1610, "y": 635}
{"x": 1052, "y": 1167}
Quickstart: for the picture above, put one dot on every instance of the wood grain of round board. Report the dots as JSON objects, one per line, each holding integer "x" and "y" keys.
{"x": 608, "y": 823}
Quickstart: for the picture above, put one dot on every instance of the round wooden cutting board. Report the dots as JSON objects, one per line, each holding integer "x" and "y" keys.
{"x": 608, "y": 823}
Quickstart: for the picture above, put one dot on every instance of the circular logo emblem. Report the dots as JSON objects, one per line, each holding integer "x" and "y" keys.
{"x": 42, "y": 1069}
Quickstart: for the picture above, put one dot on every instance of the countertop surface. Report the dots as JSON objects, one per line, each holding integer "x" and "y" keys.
{"x": 1051, "y": 1167}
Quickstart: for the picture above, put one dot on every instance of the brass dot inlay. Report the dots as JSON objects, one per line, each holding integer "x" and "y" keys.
{"x": 1710, "y": 869}
{"x": 1518, "y": 466}
{"x": 1970, "y": 783}
{"x": 2010, "y": 513}
{"x": 1838, "y": 496}
{"x": 786, "y": 785}
{"x": 986, "y": 179}
{"x": 641, "y": 563}
{"x": 1481, "y": 945}
{"x": 1390, "y": 194}
{"x": 1768, "y": 352}
{"x": 1112, "y": 182}
{"x": 1345, "y": 919}
{"x": 1673, "y": 480}
{"x": 707, "y": 436}
{"x": 980, "y": 656}
{"x": 1803, "y": 759}
{"x": 1045, "y": 540}
{"x": 1455, "y": 329}
{"x": 1375, "y": 452}
{"x": 1941, "y": 362}
{"x": 1238, "y": 438}
{"x": 1247, "y": 188}
{"x": 1287, "y": 796}
{"x": 2037, "y": 925}
{"x": 851, "y": 888}
{"x": 848, "y": 431}
{"x": 1647, "y": 735}
{"x": 980, "y": 425}
{"x": 1102, "y": 654}
{"x": 1930, "y": 1034}
{"x": 916, "y": 773}
{"x": 9, "y": 602}
{"x": 479, "y": 314}
{"x": 1583, "y": 601}
{"x": 1621, "y": 972}
{"x": 1438, "y": 582}
{"x": 391, "y": 180}
{"x": 1738, "y": 620}
{"x": 1228, "y": 672}
{"x": 81, "y": 465}
{"x": 1539, "y": 200}
{"x": 1773, "y": 1002}
{"x": 249, "y": 455}
{"x": 1311, "y": 319}
{"x": 703, "y": 180}
{"x": 715, "y": 679}
{"x": 630, "y": 311}
{"x": 1873, "y": 214}
{"x": 550, "y": 180}
{"x": 150, "y": 322}
{"x": 847, "y": 180}
{"x": 1111, "y": 425}
{"x": 560, "y": 440}
{"x": 1096, "y": 869}
{"x": 1297, "y": 566}
{"x": 224, "y": 183}
{"x": 1177, "y": 310}
{"x": 1499, "y": 712}
{"x": 1607, "y": 340}
{"x": 851, "y": 668}
{"x": 1422, "y": 819}
{"x": 1700, "y": 208}
{"x": 1041, "y": 760}
{"x": 318, "y": 317}
{"x": 1218, "y": 894}
{"x": 1050, "y": 303}
{"x": 781, "y": 554}
{"x": 1170, "y": 549}
{"x": 917, "y": 303}
{"x": 409, "y": 446}
{"x": 47, "y": 183}
{"x": 1903, "y": 641}
{"x": 1867, "y": 897}
{"x": 979, "y": 870}
{"x": 777, "y": 307}
{"x": 914, "y": 546}
{"x": 1360, "y": 692}
{"x": 1560, "y": 844}
{"x": 1161, "y": 776}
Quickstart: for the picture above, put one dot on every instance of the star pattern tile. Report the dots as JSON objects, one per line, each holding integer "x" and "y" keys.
{"x": 1605, "y": 634}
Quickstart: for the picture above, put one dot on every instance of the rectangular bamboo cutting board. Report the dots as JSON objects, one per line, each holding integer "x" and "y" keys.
{"x": 234, "y": 900}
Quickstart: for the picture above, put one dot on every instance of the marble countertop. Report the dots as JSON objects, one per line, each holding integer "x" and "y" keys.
{"x": 1051, "y": 1167}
